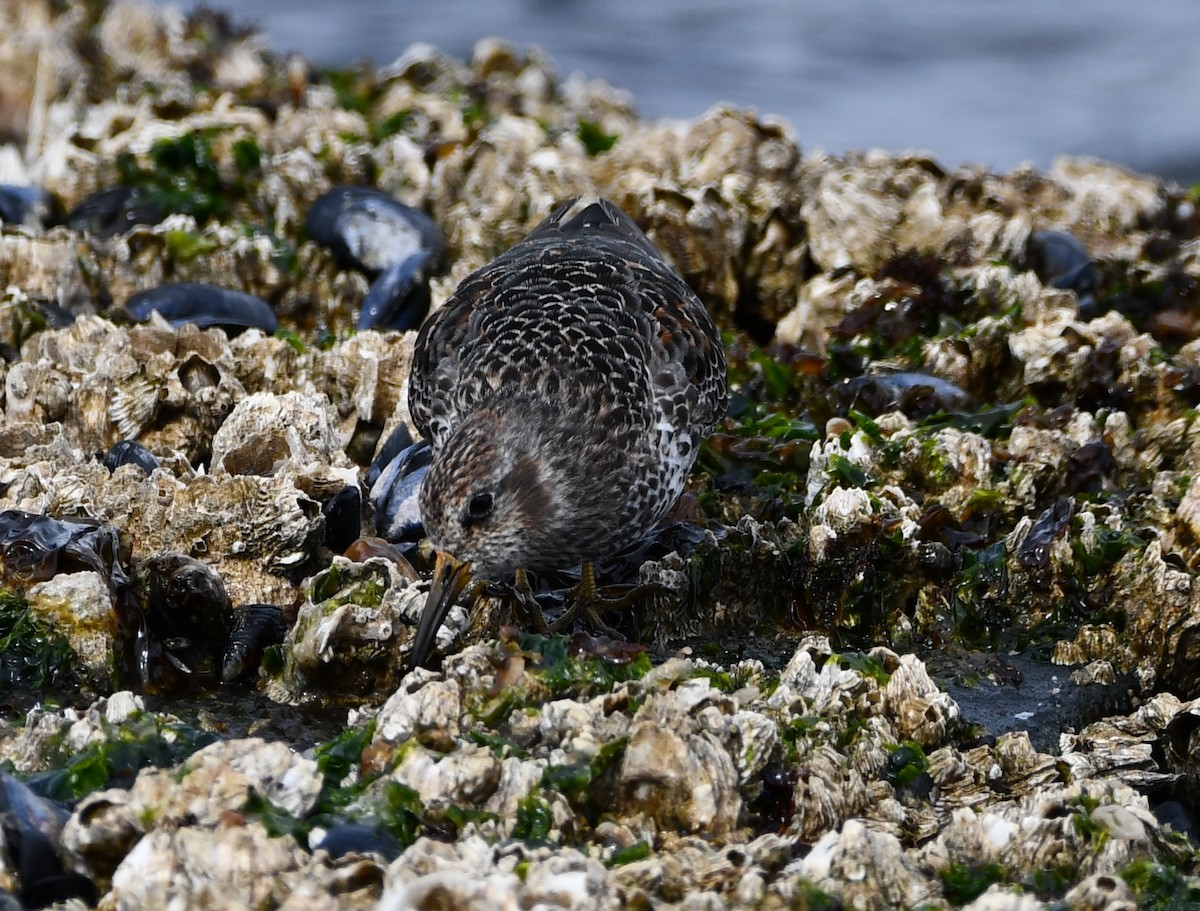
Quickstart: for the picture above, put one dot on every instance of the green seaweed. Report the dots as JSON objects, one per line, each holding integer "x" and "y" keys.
{"x": 864, "y": 664}
{"x": 845, "y": 473}
{"x": 142, "y": 741}
{"x": 184, "y": 177}
{"x": 576, "y": 779}
{"x": 32, "y": 656}
{"x": 501, "y": 747}
{"x": 1159, "y": 887}
{"x": 354, "y": 89}
{"x": 388, "y": 126}
{"x": 963, "y": 883}
{"x": 639, "y": 850}
{"x": 184, "y": 246}
{"x": 535, "y": 820}
{"x": 595, "y": 140}
{"x": 578, "y": 676}
{"x": 979, "y": 598}
{"x": 905, "y": 764}
{"x": 338, "y": 757}
{"x": 1110, "y": 545}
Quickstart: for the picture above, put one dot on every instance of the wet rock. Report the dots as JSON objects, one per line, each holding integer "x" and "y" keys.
{"x": 350, "y": 635}
{"x": 166, "y": 867}
{"x": 865, "y": 869}
{"x": 79, "y": 606}
{"x": 269, "y": 434}
{"x": 590, "y": 774}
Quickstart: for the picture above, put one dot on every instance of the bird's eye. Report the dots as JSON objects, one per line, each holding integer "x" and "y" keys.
{"x": 480, "y": 507}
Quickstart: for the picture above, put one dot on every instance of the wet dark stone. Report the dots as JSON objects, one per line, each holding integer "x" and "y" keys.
{"x": 114, "y": 211}
{"x": 343, "y": 518}
{"x": 370, "y": 231}
{"x": 399, "y": 297}
{"x": 29, "y": 206}
{"x": 937, "y": 560}
{"x": 394, "y": 494}
{"x": 130, "y": 452}
{"x": 204, "y": 306}
{"x": 34, "y": 548}
{"x": 255, "y": 628}
{"x": 1180, "y": 818}
{"x": 918, "y": 395}
{"x": 398, "y": 440}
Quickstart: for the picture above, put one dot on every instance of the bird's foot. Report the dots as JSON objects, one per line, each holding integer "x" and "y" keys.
{"x": 586, "y": 600}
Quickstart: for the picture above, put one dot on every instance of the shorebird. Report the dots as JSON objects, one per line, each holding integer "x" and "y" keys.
{"x": 565, "y": 388}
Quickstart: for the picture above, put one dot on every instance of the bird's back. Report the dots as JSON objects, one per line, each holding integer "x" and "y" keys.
{"x": 583, "y": 310}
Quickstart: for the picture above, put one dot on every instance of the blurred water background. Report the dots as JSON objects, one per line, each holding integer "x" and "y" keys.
{"x": 994, "y": 82}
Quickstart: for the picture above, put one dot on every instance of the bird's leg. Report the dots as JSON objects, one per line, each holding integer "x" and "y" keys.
{"x": 527, "y": 603}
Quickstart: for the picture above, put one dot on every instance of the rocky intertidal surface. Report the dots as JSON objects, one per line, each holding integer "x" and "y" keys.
{"x": 924, "y": 633}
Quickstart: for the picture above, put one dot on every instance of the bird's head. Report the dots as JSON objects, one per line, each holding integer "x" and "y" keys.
{"x": 490, "y": 498}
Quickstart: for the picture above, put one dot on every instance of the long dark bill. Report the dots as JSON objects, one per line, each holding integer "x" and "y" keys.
{"x": 450, "y": 577}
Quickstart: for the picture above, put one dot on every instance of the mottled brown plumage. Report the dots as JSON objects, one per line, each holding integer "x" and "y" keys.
{"x": 565, "y": 388}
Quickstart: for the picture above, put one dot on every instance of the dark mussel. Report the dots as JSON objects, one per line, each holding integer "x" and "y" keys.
{"x": 180, "y": 618}
{"x": 397, "y": 246}
{"x": 916, "y": 394}
{"x": 1034, "y": 552}
{"x": 369, "y": 230}
{"x": 343, "y": 518}
{"x": 345, "y": 838}
{"x": 256, "y": 627}
{"x": 399, "y": 298}
{"x": 29, "y": 206}
{"x": 115, "y": 210}
{"x": 130, "y": 452}
{"x": 34, "y": 548}
{"x": 394, "y": 495}
{"x": 1062, "y": 261}
{"x": 204, "y": 306}
{"x": 30, "y": 835}
{"x": 398, "y": 441}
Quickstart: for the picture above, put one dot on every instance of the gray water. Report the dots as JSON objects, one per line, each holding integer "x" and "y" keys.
{"x": 994, "y": 82}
